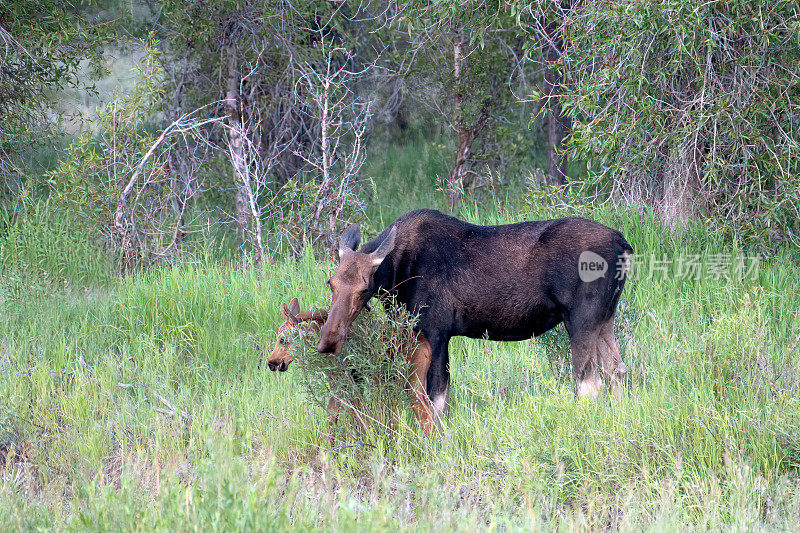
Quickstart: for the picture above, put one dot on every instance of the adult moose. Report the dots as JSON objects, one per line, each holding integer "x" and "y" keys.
{"x": 505, "y": 283}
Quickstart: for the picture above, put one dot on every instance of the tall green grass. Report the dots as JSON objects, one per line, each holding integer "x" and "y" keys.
{"x": 407, "y": 177}
{"x": 145, "y": 403}
{"x": 42, "y": 244}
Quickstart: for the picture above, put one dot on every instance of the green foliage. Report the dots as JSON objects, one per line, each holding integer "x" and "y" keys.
{"x": 653, "y": 82}
{"x": 114, "y": 141}
{"x": 41, "y": 43}
{"x": 472, "y": 91}
{"x": 145, "y": 404}
{"x": 118, "y": 145}
{"x": 44, "y": 44}
{"x": 703, "y": 437}
{"x": 371, "y": 376}
{"x": 204, "y": 309}
{"x": 406, "y": 178}
{"x": 287, "y": 215}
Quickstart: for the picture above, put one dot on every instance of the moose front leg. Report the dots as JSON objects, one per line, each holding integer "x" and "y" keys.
{"x": 439, "y": 378}
{"x": 420, "y": 360}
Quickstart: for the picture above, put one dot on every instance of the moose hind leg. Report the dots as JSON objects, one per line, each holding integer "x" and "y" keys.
{"x": 439, "y": 393}
{"x": 584, "y": 362}
{"x": 612, "y": 367}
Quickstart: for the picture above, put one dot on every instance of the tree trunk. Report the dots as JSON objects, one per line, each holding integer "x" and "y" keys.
{"x": 396, "y": 109}
{"x": 258, "y": 245}
{"x": 180, "y": 177}
{"x": 236, "y": 147}
{"x": 683, "y": 191}
{"x": 558, "y": 125}
{"x": 460, "y": 178}
{"x": 465, "y": 137}
{"x": 323, "y": 199}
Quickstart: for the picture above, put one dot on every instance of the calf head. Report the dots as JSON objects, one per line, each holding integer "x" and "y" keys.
{"x": 352, "y": 286}
{"x": 282, "y": 353}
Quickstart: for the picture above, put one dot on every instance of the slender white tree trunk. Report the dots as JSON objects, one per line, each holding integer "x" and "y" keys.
{"x": 460, "y": 177}
{"x": 236, "y": 144}
{"x": 322, "y": 196}
{"x": 245, "y": 203}
{"x": 465, "y": 135}
{"x": 558, "y": 124}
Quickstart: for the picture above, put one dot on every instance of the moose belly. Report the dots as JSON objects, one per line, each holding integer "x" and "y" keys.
{"x": 506, "y": 327}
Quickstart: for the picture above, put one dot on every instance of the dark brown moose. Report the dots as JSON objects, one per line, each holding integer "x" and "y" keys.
{"x": 416, "y": 349}
{"x": 507, "y": 283}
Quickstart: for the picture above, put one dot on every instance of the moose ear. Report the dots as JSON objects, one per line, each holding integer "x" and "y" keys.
{"x": 385, "y": 247}
{"x": 351, "y": 238}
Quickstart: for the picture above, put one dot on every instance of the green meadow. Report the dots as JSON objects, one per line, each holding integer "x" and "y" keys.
{"x": 144, "y": 403}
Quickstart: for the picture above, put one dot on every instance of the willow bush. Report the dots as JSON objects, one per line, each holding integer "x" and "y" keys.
{"x": 369, "y": 378}
{"x": 692, "y": 108}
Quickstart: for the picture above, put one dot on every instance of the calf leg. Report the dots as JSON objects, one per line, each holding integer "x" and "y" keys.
{"x": 333, "y": 416}
{"x": 333, "y": 409}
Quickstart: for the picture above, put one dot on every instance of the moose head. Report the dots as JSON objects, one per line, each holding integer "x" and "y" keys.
{"x": 352, "y": 285}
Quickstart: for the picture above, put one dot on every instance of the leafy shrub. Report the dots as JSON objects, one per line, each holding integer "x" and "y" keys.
{"x": 369, "y": 378}
{"x": 673, "y": 109}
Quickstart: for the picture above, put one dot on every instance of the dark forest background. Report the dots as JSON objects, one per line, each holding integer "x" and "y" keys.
{"x": 272, "y": 124}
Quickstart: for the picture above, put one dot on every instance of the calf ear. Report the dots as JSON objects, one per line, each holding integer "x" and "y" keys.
{"x": 351, "y": 238}
{"x": 294, "y": 306}
{"x": 385, "y": 247}
{"x": 290, "y": 312}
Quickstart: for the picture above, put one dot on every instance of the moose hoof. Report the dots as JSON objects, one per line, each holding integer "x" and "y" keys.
{"x": 589, "y": 388}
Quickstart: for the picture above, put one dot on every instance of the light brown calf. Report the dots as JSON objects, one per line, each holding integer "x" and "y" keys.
{"x": 416, "y": 348}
